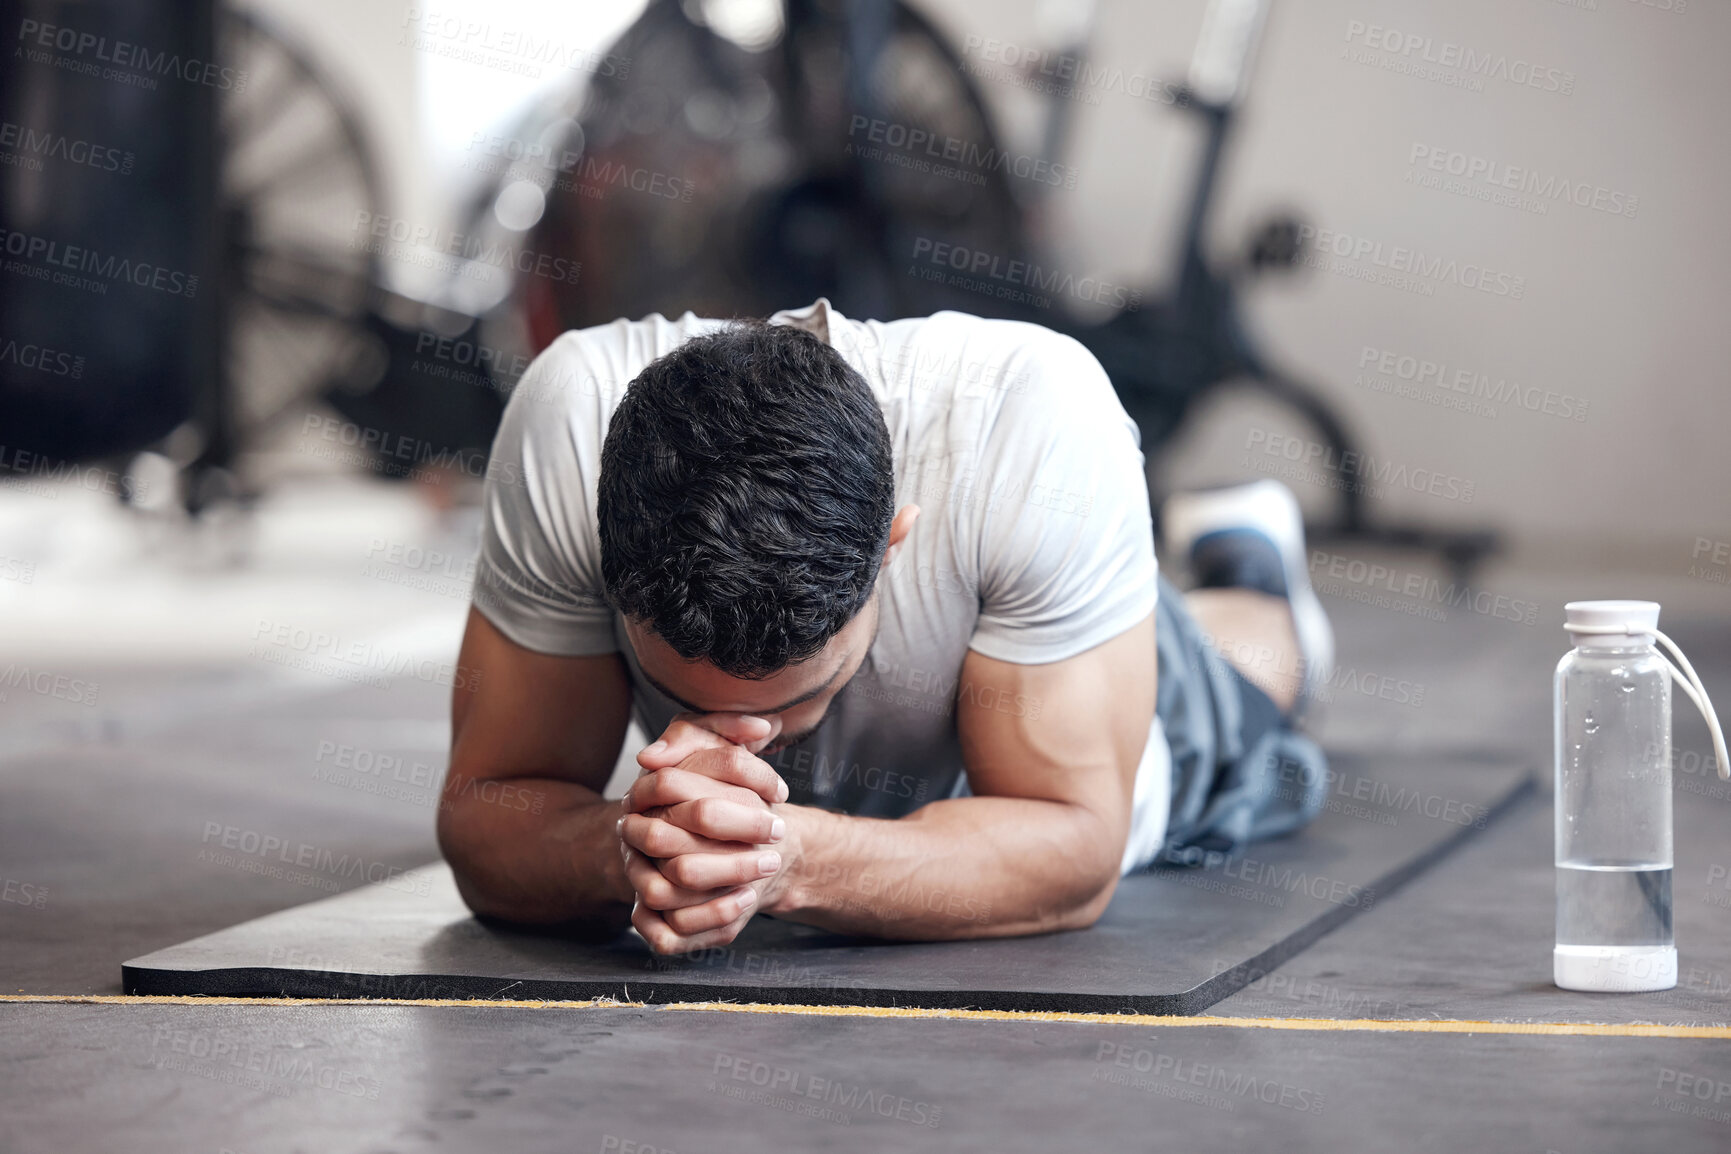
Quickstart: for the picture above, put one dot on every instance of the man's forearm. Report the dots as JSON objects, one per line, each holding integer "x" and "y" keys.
{"x": 549, "y": 855}
{"x": 962, "y": 868}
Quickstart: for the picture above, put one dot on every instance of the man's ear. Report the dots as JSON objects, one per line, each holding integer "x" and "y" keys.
{"x": 899, "y": 529}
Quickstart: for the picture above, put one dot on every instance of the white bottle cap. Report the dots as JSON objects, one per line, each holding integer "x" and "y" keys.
{"x": 1617, "y": 623}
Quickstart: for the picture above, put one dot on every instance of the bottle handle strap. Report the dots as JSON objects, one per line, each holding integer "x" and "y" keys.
{"x": 1687, "y": 680}
{"x": 1698, "y": 694}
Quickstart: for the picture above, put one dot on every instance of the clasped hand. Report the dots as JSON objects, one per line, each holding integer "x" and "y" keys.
{"x": 701, "y": 836}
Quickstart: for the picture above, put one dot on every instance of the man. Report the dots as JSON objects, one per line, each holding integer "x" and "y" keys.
{"x": 886, "y": 595}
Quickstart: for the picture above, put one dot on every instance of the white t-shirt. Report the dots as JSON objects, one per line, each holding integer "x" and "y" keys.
{"x": 1034, "y": 541}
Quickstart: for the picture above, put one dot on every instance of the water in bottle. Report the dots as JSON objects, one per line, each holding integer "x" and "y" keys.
{"x": 1614, "y": 853}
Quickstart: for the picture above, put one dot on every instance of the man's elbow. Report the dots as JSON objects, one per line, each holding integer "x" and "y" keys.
{"x": 492, "y": 895}
{"x": 1096, "y": 860}
{"x": 1088, "y": 910}
{"x": 484, "y": 900}
{"x": 484, "y": 897}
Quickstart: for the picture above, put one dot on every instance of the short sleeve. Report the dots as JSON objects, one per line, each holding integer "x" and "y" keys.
{"x": 1066, "y": 543}
{"x": 538, "y": 576}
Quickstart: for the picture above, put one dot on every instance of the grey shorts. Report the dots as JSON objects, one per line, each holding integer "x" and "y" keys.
{"x": 1240, "y": 773}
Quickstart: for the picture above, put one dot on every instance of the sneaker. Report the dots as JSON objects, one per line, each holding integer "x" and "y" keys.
{"x": 1252, "y": 537}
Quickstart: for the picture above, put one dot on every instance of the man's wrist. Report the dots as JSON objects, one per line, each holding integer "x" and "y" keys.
{"x": 790, "y": 889}
{"x": 613, "y": 866}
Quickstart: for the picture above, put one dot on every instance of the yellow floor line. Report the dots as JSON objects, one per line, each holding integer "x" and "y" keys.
{"x": 1350, "y": 1025}
{"x": 1371, "y": 1025}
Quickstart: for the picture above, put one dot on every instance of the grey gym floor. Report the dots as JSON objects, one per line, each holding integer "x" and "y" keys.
{"x": 105, "y": 808}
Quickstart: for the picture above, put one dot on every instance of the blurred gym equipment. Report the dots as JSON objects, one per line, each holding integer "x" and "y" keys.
{"x": 247, "y": 183}
{"x": 700, "y": 167}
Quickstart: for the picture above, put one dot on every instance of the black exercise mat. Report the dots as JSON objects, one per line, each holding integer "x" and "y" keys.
{"x": 1174, "y": 941}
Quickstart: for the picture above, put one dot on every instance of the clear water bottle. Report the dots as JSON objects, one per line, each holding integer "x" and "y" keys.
{"x": 1613, "y": 798}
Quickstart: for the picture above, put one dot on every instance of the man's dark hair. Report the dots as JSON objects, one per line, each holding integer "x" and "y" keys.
{"x": 747, "y": 489}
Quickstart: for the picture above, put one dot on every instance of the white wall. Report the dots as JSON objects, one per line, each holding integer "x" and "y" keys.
{"x": 1627, "y": 313}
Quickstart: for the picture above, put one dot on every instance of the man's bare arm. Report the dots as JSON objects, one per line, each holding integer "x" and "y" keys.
{"x": 1051, "y": 752}
{"x": 547, "y": 726}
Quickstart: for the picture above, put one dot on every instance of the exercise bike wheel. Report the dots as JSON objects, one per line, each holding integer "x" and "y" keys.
{"x": 296, "y": 275}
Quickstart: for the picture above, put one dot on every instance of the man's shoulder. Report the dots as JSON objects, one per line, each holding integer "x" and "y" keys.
{"x": 990, "y": 372}
{"x": 597, "y": 363}
{"x": 1006, "y": 338}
